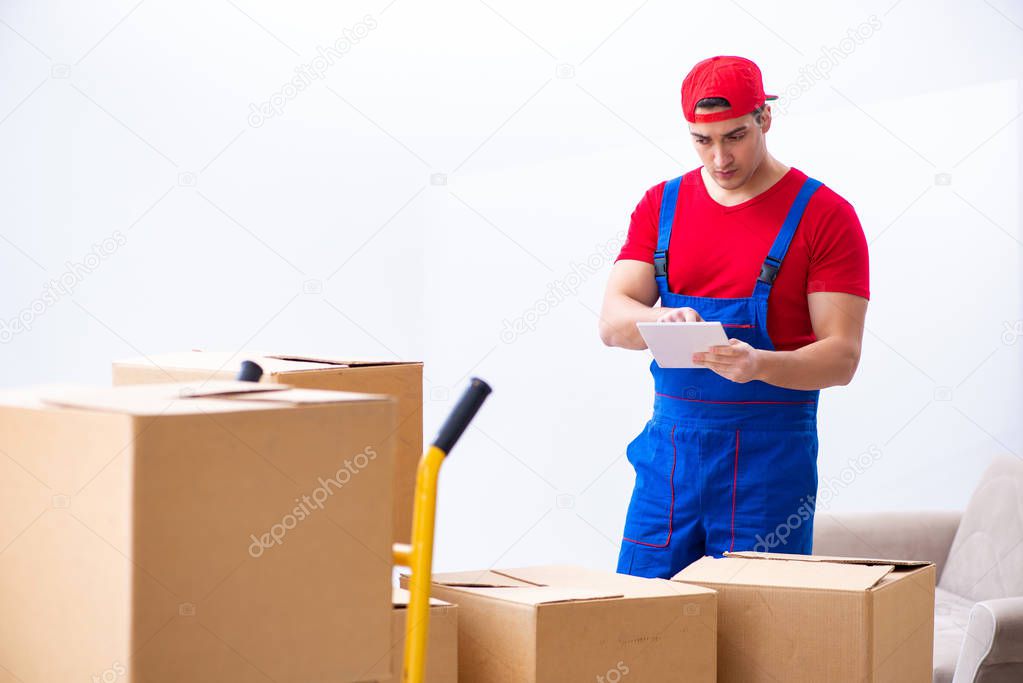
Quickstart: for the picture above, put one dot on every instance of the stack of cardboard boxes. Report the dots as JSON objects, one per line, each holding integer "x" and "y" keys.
{"x": 185, "y": 527}
{"x": 743, "y": 618}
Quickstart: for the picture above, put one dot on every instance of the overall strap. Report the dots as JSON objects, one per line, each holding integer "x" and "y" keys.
{"x": 771, "y": 265}
{"x": 667, "y": 217}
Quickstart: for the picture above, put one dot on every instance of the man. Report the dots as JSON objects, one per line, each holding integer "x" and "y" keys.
{"x": 728, "y": 461}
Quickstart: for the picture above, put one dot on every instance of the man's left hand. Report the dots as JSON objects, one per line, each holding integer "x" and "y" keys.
{"x": 738, "y": 361}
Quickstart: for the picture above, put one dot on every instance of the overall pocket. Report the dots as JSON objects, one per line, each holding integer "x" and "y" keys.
{"x": 653, "y": 455}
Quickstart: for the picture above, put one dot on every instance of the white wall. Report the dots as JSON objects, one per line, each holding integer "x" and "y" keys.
{"x": 461, "y": 158}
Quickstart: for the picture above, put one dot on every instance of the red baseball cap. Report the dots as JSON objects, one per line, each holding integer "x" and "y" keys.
{"x": 736, "y": 79}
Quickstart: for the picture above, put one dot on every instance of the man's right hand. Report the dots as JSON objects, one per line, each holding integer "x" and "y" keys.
{"x": 680, "y": 315}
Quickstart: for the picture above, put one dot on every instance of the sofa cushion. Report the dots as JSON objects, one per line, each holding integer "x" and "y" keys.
{"x": 986, "y": 559}
{"x": 951, "y": 615}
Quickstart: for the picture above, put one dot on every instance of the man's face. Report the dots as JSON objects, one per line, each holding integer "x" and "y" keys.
{"x": 733, "y": 149}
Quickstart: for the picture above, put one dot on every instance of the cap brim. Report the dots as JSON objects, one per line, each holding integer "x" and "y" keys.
{"x": 770, "y": 97}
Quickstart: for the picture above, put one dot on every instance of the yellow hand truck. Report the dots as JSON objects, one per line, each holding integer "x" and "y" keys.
{"x": 418, "y": 556}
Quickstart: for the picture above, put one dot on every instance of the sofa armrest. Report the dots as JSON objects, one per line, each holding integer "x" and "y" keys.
{"x": 993, "y": 649}
{"x": 915, "y": 535}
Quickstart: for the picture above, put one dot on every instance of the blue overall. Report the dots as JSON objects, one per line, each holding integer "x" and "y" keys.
{"x": 721, "y": 465}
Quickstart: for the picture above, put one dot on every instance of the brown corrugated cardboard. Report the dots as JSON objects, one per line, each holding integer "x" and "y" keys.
{"x": 799, "y": 618}
{"x": 553, "y": 624}
{"x": 402, "y": 380}
{"x": 442, "y": 640}
{"x": 169, "y": 532}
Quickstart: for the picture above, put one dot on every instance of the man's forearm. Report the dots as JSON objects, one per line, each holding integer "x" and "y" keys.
{"x": 618, "y": 322}
{"x": 825, "y": 363}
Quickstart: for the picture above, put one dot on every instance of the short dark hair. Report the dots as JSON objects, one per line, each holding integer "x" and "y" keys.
{"x": 722, "y": 102}
{"x": 713, "y": 102}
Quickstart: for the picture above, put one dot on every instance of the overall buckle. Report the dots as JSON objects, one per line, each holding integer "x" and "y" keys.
{"x": 769, "y": 270}
{"x": 661, "y": 263}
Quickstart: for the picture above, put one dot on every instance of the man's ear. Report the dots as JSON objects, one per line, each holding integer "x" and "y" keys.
{"x": 765, "y": 119}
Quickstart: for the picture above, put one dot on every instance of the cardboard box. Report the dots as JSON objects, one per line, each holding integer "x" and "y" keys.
{"x": 556, "y": 624}
{"x": 402, "y": 380}
{"x": 441, "y": 645}
{"x": 813, "y": 618}
{"x": 236, "y": 532}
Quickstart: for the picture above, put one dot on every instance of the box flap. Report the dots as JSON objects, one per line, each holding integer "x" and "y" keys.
{"x": 503, "y": 586}
{"x": 346, "y": 361}
{"x": 831, "y": 558}
{"x": 486, "y": 578}
{"x": 546, "y": 575}
{"x": 303, "y": 396}
{"x": 191, "y": 398}
{"x": 575, "y": 576}
{"x": 562, "y": 583}
{"x": 224, "y": 388}
{"x": 548, "y": 595}
{"x": 783, "y": 573}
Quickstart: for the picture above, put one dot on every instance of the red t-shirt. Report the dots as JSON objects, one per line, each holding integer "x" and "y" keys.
{"x": 717, "y": 251}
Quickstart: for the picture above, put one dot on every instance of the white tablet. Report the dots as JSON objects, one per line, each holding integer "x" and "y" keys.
{"x": 673, "y": 344}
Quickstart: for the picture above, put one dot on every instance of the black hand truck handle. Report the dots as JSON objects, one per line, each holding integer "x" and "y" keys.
{"x": 462, "y": 414}
{"x": 249, "y": 372}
